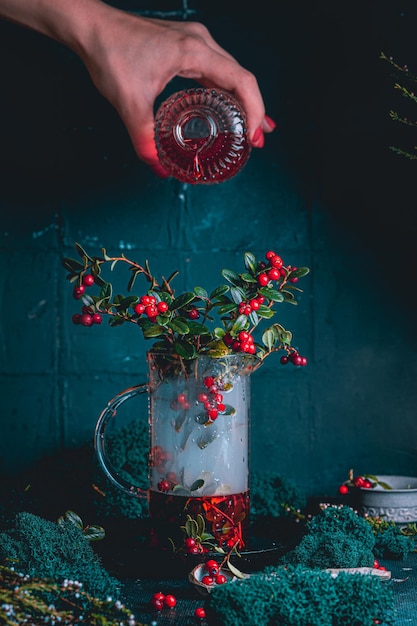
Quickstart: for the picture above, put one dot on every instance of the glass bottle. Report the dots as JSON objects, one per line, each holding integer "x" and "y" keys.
{"x": 201, "y": 136}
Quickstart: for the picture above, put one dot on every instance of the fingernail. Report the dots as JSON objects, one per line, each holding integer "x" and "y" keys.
{"x": 270, "y": 122}
{"x": 258, "y": 138}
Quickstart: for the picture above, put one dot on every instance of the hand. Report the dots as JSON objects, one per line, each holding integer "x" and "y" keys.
{"x": 131, "y": 59}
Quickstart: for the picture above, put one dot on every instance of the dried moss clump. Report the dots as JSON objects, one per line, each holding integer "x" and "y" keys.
{"x": 336, "y": 537}
{"x": 299, "y": 596}
{"x": 57, "y": 551}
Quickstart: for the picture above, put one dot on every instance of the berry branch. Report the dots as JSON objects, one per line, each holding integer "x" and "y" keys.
{"x": 240, "y": 305}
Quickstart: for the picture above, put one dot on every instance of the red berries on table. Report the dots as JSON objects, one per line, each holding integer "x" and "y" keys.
{"x": 343, "y": 489}
{"x": 159, "y": 600}
{"x": 170, "y": 600}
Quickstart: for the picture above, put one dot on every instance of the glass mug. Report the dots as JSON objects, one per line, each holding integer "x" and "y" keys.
{"x": 199, "y": 425}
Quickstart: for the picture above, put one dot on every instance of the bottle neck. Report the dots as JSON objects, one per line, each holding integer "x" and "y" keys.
{"x": 195, "y": 129}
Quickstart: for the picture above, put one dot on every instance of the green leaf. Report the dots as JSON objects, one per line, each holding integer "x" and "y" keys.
{"x": 299, "y": 272}
{"x": 237, "y": 295}
{"x": 179, "y": 326}
{"x": 288, "y": 296}
{"x": 83, "y": 254}
{"x": 269, "y": 338}
{"x": 153, "y": 331}
{"x": 105, "y": 291}
{"x": 116, "y": 321}
{"x": 241, "y": 323}
{"x": 250, "y": 262}
{"x": 72, "y": 265}
{"x": 201, "y": 293}
{"x": 182, "y": 300}
{"x": 195, "y": 328}
{"x": 248, "y": 278}
{"x": 265, "y": 312}
{"x": 271, "y": 294}
{"x": 125, "y": 303}
{"x": 219, "y": 291}
{"x": 74, "y": 518}
{"x": 191, "y": 527}
{"x": 185, "y": 350}
{"x": 236, "y": 572}
{"x": 232, "y": 277}
{"x": 94, "y": 533}
{"x": 226, "y": 308}
{"x": 197, "y": 484}
{"x": 132, "y": 279}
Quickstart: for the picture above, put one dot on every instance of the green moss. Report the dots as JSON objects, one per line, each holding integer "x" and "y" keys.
{"x": 299, "y": 596}
{"x": 46, "y": 549}
{"x": 392, "y": 543}
{"x": 271, "y": 495}
{"x": 335, "y": 537}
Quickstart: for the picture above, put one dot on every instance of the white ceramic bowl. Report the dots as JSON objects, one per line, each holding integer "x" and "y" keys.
{"x": 398, "y": 504}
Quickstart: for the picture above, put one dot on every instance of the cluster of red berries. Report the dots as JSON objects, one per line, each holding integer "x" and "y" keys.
{"x": 213, "y": 574}
{"x": 212, "y": 400}
{"x": 243, "y": 343}
{"x": 192, "y": 546}
{"x": 87, "y": 317}
{"x": 295, "y": 358}
{"x": 357, "y": 481}
{"x": 274, "y": 270}
{"x": 159, "y": 600}
{"x": 149, "y": 306}
{"x": 246, "y": 307}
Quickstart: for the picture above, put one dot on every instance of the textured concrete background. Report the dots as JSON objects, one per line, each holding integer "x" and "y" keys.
{"x": 325, "y": 192}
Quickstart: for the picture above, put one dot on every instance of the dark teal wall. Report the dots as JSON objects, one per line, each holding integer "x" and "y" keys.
{"x": 325, "y": 192}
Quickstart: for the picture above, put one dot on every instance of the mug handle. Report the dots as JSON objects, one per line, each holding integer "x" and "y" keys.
{"x": 100, "y": 441}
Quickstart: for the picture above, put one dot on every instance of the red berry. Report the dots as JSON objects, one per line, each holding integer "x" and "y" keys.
{"x": 158, "y": 595}
{"x": 376, "y": 564}
{"x": 200, "y": 613}
{"x": 162, "y": 307}
{"x": 220, "y": 579}
{"x": 208, "y": 381}
{"x": 263, "y": 279}
{"x": 212, "y": 566}
{"x": 78, "y": 291}
{"x": 170, "y": 600}
{"x": 343, "y": 489}
{"x": 255, "y": 304}
{"x": 158, "y": 604}
{"x": 193, "y": 314}
{"x": 276, "y": 261}
{"x": 269, "y": 255}
{"x": 359, "y": 481}
{"x": 367, "y": 484}
{"x": 274, "y": 273}
{"x": 151, "y": 310}
{"x": 213, "y": 414}
{"x": 189, "y": 542}
{"x": 163, "y": 485}
{"x": 88, "y": 280}
{"x": 207, "y": 580}
{"x": 97, "y": 319}
{"x": 86, "y": 319}
{"x": 228, "y": 339}
{"x": 194, "y": 549}
{"x": 139, "y": 308}
{"x": 284, "y": 359}
{"x": 244, "y": 336}
{"x": 76, "y": 318}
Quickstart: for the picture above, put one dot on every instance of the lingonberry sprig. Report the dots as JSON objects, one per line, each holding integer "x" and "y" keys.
{"x": 179, "y": 324}
{"x": 361, "y": 481}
